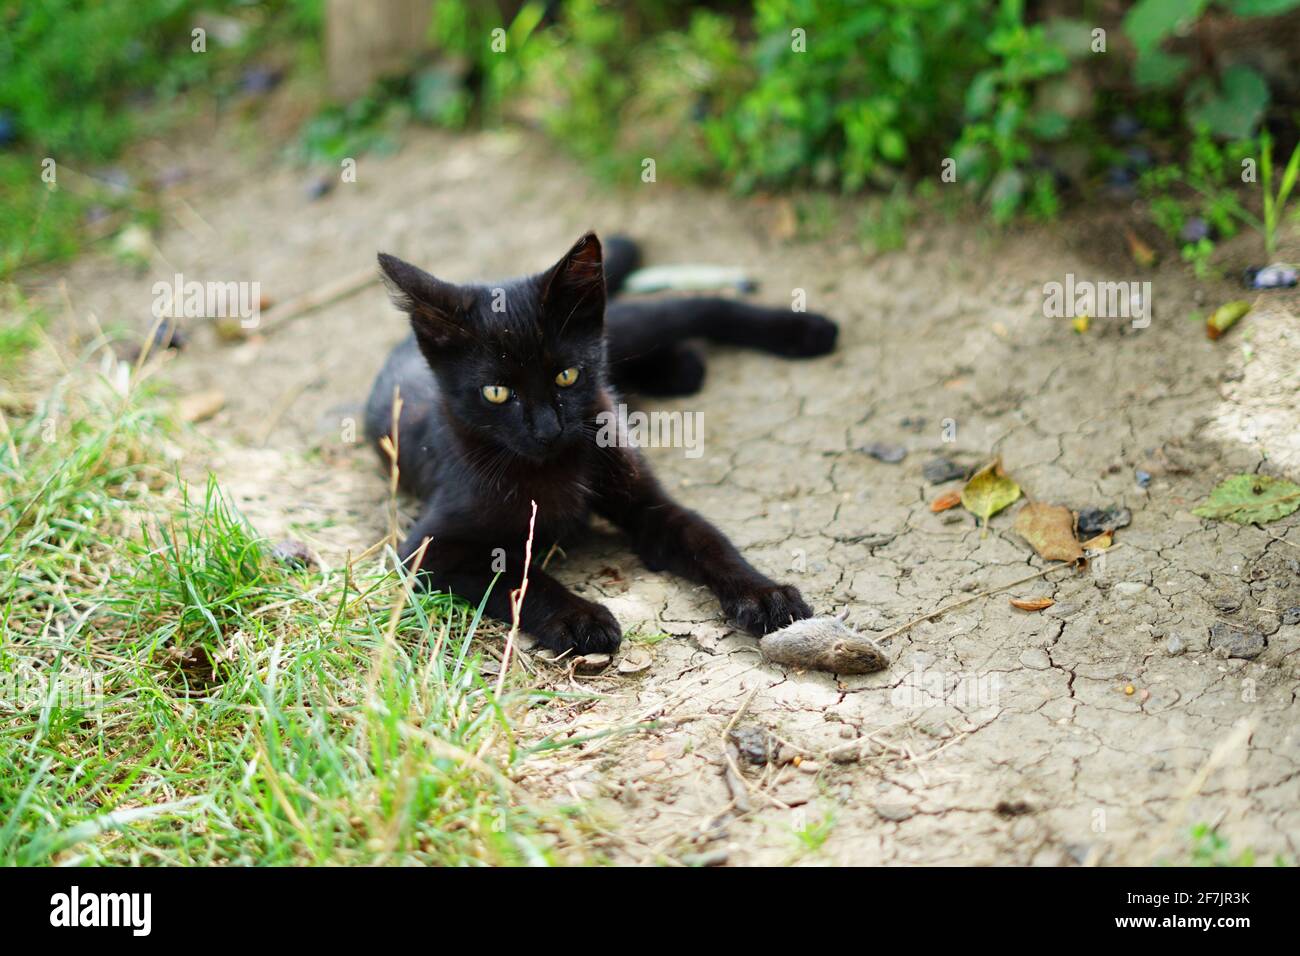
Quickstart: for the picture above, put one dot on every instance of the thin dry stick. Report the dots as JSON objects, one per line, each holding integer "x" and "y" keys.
{"x": 517, "y": 602}
{"x": 327, "y": 294}
{"x": 976, "y": 597}
{"x": 391, "y": 445}
{"x": 1278, "y": 537}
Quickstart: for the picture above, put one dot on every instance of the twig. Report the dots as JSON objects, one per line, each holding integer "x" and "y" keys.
{"x": 391, "y": 446}
{"x": 327, "y": 294}
{"x": 517, "y": 602}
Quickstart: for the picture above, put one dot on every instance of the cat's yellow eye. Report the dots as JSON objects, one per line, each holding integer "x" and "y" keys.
{"x": 567, "y": 377}
{"x": 496, "y": 394}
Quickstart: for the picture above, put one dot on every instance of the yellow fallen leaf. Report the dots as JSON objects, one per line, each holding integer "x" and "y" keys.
{"x": 989, "y": 491}
{"x": 1050, "y": 529}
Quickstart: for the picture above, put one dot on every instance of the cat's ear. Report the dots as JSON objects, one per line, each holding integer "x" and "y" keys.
{"x": 573, "y": 290}
{"x": 438, "y": 309}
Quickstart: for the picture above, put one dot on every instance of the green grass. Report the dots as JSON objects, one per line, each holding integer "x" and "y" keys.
{"x": 170, "y": 694}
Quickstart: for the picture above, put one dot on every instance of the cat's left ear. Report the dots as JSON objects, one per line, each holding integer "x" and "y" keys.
{"x": 573, "y": 290}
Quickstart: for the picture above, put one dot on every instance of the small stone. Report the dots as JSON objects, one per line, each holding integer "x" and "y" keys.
{"x": 754, "y": 744}
{"x": 1143, "y": 478}
{"x": 319, "y": 187}
{"x": 1130, "y": 588}
{"x": 1227, "y": 603}
{"x": 1194, "y": 230}
{"x": 1095, "y": 521}
{"x": 845, "y": 755}
{"x": 169, "y": 335}
{"x": 890, "y": 454}
{"x": 1291, "y": 616}
{"x": 1175, "y": 645}
{"x": 939, "y": 470}
{"x": 1239, "y": 643}
{"x": 893, "y": 812}
{"x": 1128, "y": 690}
{"x": 260, "y": 79}
{"x": 1275, "y": 276}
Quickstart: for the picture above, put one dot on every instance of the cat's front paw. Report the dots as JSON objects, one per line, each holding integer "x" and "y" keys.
{"x": 766, "y": 608}
{"x": 583, "y": 628}
{"x": 803, "y": 335}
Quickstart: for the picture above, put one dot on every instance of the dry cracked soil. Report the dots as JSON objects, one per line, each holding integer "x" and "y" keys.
{"x": 1097, "y": 731}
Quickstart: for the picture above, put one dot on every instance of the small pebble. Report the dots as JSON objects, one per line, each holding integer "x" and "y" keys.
{"x": 894, "y": 813}
{"x": 939, "y": 470}
{"x": 1194, "y": 230}
{"x": 890, "y": 454}
{"x": 169, "y": 335}
{"x": 1275, "y": 276}
{"x": 1175, "y": 645}
{"x": 260, "y": 79}
{"x": 754, "y": 744}
{"x": 1227, "y": 603}
{"x": 319, "y": 187}
{"x": 1238, "y": 643}
{"x": 1143, "y": 478}
{"x": 1128, "y": 690}
{"x": 1095, "y": 521}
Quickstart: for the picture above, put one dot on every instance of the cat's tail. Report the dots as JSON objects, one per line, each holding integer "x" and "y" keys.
{"x": 622, "y": 257}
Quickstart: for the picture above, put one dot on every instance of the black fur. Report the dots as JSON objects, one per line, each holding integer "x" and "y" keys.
{"x": 478, "y": 465}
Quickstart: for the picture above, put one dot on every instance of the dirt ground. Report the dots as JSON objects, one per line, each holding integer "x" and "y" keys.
{"x": 996, "y": 736}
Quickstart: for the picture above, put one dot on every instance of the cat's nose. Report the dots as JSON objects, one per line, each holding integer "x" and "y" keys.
{"x": 546, "y": 426}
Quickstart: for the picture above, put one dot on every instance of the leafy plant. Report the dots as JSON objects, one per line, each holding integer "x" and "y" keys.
{"x": 1275, "y": 204}
{"x": 1231, "y": 107}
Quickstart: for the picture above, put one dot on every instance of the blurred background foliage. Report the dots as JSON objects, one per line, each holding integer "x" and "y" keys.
{"x": 1033, "y": 105}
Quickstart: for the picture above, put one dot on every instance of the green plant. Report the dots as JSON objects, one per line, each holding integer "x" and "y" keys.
{"x": 1230, "y": 107}
{"x": 1275, "y": 203}
{"x": 995, "y": 146}
{"x": 1203, "y": 187}
{"x": 175, "y": 696}
{"x": 847, "y": 93}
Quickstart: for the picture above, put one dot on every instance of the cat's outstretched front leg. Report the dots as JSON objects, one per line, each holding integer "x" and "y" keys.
{"x": 469, "y": 567}
{"x": 669, "y": 537}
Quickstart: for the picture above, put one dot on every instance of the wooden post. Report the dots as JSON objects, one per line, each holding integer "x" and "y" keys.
{"x": 366, "y": 39}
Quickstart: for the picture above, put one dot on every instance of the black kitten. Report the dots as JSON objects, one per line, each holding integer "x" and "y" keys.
{"x": 508, "y": 415}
